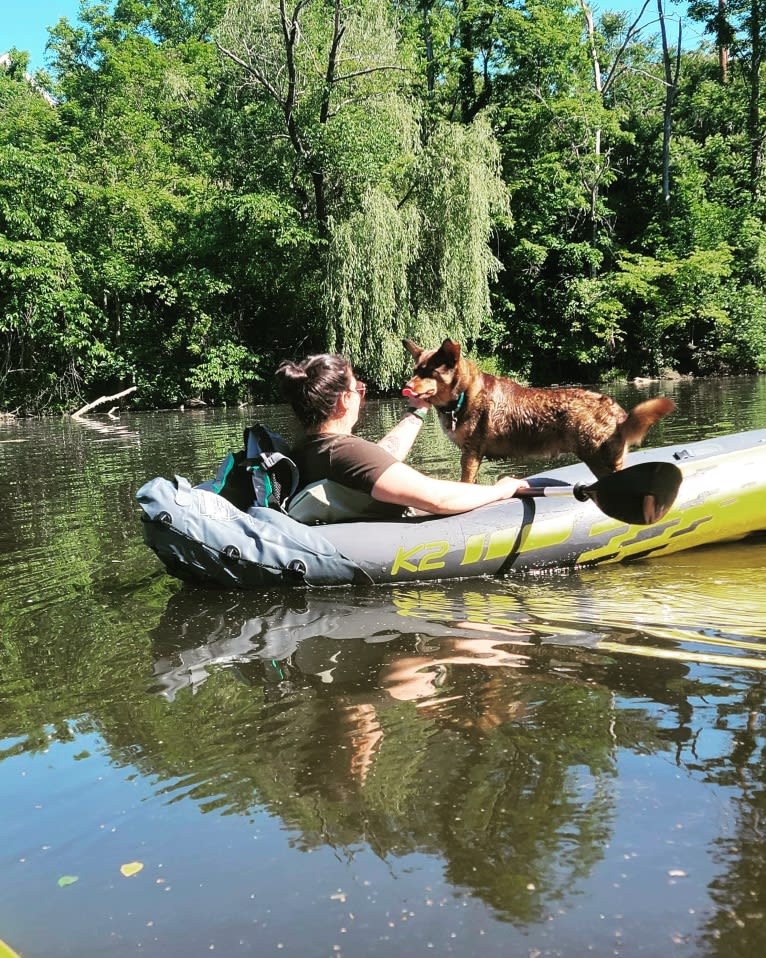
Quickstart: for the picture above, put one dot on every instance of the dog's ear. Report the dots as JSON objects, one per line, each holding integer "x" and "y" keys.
{"x": 413, "y": 349}
{"x": 451, "y": 350}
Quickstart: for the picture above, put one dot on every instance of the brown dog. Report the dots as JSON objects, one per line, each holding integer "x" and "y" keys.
{"x": 493, "y": 417}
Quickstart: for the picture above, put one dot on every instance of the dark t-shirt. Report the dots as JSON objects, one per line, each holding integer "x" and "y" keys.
{"x": 349, "y": 460}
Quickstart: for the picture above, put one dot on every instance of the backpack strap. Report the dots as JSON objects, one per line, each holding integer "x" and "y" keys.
{"x": 274, "y": 474}
{"x": 275, "y": 479}
{"x": 262, "y": 474}
{"x": 259, "y": 438}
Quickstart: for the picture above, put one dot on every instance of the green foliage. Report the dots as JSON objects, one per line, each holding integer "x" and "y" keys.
{"x": 180, "y": 220}
{"x": 461, "y": 195}
{"x": 340, "y": 121}
{"x": 370, "y": 258}
{"x": 677, "y": 310}
{"x": 46, "y": 317}
{"x": 744, "y": 347}
{"x": 421, "y": 269}
{"x": 227, "y": 368}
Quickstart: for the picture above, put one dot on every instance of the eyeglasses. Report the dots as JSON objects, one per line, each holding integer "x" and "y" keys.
{"x": 360, "y": 388}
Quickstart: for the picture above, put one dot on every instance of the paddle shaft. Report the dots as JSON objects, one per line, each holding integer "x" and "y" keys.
{"x": 578, "y": 490}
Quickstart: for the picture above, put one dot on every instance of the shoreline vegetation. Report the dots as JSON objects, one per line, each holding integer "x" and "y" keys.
{"x": 196, "y": 403}
{"x": 191, "y": 193}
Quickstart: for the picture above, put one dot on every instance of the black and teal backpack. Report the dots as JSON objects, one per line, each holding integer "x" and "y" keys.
{"x": 260, "y": 474}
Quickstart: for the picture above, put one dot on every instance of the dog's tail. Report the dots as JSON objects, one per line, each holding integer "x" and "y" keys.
{"x": 643, "y": 416}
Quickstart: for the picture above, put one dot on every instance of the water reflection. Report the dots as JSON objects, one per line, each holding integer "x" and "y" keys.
{"x": 738, "y": 926}
{"x": 435, "y": 740}
{"x": 679, "y": 609}
{"x": 318, "y": 632}
{"x": 541, "y": 742}
{"x": 507, "y": 725}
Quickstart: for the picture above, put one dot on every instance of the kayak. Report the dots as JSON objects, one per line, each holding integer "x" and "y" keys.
{"x": 201, "y": 537}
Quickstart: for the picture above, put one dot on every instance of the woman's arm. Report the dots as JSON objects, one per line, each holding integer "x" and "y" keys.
{"x": 405, "y": 486}
{"x": 399, "y": 440}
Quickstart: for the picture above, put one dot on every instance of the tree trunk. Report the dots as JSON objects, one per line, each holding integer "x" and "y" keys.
{"x": 593, "y": 186}
{"x": 671, "y": 91}
{"x": 754, "y": 111}
{"x": 723, "y": 48}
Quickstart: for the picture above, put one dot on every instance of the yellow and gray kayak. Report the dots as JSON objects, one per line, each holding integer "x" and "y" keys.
{"x": 667, "y": 500}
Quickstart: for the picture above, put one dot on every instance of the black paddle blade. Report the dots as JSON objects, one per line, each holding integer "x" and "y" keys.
{"x": 638, "y": 495}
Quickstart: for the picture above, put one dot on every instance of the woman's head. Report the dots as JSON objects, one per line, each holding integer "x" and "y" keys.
{"x": 313, "y": 386}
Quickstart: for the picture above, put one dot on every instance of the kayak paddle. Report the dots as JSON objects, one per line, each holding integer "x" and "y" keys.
{"x": 638, "y": 495}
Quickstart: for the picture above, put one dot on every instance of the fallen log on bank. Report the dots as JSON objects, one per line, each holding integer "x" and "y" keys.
{"x": 102, "y": 400}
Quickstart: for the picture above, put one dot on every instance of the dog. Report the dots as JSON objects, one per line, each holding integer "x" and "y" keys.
{"x": 494, "y": 417}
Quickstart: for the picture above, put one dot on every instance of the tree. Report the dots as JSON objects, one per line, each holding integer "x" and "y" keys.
{"x": 323, "y": 65}
{"x": 715, "y": 15}
{"x": 672, "y": 70}
{"x": 46, "y": 343}
{"x": 138, "y": 112}
{"x": 423, "y": 264}
{"x": 557, "y": 133}
{"x": 402, "y": 215}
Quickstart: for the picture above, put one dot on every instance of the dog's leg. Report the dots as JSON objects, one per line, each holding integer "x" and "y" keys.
{"x": 470, "y": 460}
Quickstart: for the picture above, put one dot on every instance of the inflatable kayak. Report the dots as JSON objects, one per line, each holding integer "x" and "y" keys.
{"x": 719, "y": 495}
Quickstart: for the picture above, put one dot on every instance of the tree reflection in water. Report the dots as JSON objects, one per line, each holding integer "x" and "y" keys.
{"x": 483, "y": 744}
{"x": 476, "y": 736}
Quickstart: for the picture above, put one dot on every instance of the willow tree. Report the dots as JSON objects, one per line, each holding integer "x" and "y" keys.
{"x": 461, "y": 196}
{"x": 402, "y": 225}
{"x": 367, "y": 285}
{"x": 421, "y": 266}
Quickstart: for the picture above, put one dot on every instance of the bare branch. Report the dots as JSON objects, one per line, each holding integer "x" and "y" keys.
{"x": 253, "y": 71}
{"x": 633, "y": 29}
{"x": 297, "y": 9}
{"x": 332, "y": 59}
{"x": 645, "y": 73}
{"x": 101, "y": 401}
{"x": 360, "y": 73}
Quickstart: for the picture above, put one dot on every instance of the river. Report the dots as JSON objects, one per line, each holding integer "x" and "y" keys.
{"x": 562, "y": 764}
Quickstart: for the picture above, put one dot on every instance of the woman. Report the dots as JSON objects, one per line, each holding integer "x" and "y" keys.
{"x": 326, "y": 397}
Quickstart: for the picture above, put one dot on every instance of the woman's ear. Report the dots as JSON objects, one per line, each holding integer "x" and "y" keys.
{"x": 344, "y": 402}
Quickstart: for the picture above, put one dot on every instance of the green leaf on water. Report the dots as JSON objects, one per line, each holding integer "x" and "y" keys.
{"x": 67, "y": 880}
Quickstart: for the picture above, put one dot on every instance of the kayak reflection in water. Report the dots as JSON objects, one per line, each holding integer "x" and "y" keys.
{"x": 369, "y": 657}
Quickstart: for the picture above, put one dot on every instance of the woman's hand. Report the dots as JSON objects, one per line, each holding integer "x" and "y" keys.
{"x": 512, "y": 485}
{"x": 414, "y": 401}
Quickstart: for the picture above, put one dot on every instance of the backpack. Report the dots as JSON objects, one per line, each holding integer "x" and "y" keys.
{"x": 260, "y": 474}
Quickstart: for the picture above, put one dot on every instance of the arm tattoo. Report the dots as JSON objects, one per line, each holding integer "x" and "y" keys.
{"x": 400, "y": 439}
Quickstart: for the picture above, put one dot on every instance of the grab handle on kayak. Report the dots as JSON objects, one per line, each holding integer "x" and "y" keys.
{"x": 639, "y": 495}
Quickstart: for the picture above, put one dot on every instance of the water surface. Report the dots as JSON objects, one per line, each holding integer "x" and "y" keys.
{"x": 549, "y": 765}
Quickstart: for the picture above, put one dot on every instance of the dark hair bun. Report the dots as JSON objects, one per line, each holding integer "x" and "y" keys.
{"x": 292, "y": 372}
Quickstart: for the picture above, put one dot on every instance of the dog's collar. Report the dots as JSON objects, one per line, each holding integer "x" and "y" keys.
{"x": 453, "y": 409}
